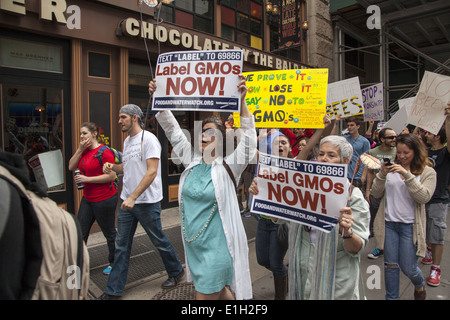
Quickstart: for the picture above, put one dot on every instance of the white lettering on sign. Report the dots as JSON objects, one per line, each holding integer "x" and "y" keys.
{"x": 50, "y": 10}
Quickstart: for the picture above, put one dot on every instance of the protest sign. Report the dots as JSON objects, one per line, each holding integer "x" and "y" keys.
{"x": 198, "y": 80}
{"x": 373, "y": 102}
{"x": 428, "y": 108}
{"x": 406, "y": 103}
{"x": 344, "y": 98}
{"x": 287, "y": 98}
{"x": 48, "y": 168}
{"x": 398, "y": 121}
{"x": 306, "y": 192}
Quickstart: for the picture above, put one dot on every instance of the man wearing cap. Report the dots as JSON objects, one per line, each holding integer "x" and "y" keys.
{"x": 140, "y": 201}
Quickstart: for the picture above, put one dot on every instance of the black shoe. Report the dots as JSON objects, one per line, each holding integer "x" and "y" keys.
{"x": 172, "y": 281}
{"x": 106, "y": 296}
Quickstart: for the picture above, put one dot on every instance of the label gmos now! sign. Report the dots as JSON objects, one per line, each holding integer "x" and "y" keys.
{"x": 198, "y": 81}
{"x": 305, "y": 192}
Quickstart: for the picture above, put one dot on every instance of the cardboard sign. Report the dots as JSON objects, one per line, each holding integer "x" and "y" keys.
{"x": 373, "y": 102}
{"x": 306, "y": 192}
{"x": 344, "y": 98}
{"x": 287, "y": 98}
{"x": 429, "y": 106}
{"x": 198, "y": 80}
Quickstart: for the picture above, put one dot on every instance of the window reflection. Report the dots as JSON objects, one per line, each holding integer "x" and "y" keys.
{"x": 33, "y": 128}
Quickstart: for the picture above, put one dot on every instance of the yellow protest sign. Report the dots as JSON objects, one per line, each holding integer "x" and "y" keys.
{"x": 287, "y": 98}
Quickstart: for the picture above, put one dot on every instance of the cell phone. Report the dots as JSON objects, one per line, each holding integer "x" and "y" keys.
{"x": 387, "y": 162}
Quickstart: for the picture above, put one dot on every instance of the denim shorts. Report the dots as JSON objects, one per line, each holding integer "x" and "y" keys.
{"x": 436, "y": 222}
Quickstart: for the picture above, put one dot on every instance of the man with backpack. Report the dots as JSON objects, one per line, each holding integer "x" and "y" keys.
{"x": 140, "y": 201}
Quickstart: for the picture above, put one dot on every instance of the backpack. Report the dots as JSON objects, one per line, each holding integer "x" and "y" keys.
{"x": 117, "y": 160}
{"x": 61, "y": 260}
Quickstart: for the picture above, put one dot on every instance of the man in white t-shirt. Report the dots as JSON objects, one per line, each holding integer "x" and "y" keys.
{"x": 140, "y": 201}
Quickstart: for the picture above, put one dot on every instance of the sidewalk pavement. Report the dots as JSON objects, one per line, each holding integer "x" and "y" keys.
{"x": 262, "y": 279}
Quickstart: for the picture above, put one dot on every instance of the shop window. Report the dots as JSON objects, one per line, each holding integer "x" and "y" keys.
{"x": 243, "y": 38}
{"x": 184, "y": 19}
{"x": 202, "y": 24}
{"x": 228, "y": 16}
{"x": 228, "y": 33}
{"x": 33, "y": 127}
{"x": 255, "y": 9}
{"x": 185, "y": 4}
{"x": 243, "y": 22}
{"x": 99, "y": 65}
{"x": 248, "y": 24}
{"x": 256, "y": 42}
{"x": 195, "y": 14}
{"x": 100, "y": 113}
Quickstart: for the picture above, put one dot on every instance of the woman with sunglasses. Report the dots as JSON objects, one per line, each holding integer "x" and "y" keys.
{"x": 214, "y": 237}
{"x": 404, "y": 187}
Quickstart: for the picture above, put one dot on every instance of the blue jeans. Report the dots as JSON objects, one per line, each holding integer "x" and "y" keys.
{"x": 269, "y": 253}
{"x": 104, "y": 212}
{"x": 400, "y": 253}
{"x": 148, "y": 215}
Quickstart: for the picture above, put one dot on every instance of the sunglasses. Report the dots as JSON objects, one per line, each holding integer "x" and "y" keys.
{"x": 391, "y": 137}
{"x": 209, "y": 132}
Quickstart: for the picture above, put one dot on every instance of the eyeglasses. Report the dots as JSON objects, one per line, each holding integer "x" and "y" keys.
{"x": 209, "y": 132}
{"x": 391, "y": 137}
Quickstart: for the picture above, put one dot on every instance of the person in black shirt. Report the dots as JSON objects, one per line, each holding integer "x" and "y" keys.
{"x": 436, "y": 208}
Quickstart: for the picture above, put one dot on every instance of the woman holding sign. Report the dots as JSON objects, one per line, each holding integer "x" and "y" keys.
{"x": 325, "y": 266}
{"x": 214, "y": 237}
{"x": 404, "y": 188}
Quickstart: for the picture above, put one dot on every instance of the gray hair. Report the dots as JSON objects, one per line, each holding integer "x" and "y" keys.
{"x": 345, "y": 148}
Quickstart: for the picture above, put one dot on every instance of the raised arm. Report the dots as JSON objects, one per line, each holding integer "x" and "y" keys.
{"x": 315, "y": 138}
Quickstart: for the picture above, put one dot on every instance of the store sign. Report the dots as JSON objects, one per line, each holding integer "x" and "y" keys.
{"x": 50, "y": 10}
{"x": 30, "y": 55}
{"x": 135, "y": 28}
{"x": 289, "y": 26}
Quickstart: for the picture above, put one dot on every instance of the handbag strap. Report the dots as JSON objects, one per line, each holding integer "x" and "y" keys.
{"x": 227, "y": 167}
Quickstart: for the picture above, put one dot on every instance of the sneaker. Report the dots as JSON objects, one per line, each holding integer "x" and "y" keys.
{"x": 435, "y": 277}
{"x": 375, "y": 254}
{"x": 428, "y": 259}
{"x": 107, "y": 270}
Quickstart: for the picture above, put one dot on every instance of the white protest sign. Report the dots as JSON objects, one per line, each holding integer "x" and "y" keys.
{"x": 344, "y": 98}
{"x": 427, "y": 111}
{"x": 373, "y": 102}
{"x": 406, "y": 103}
{"x": 306, "y": 192}
{"x": 398, "y": 121}
{"x": 48, "y": 168}
{"x": 198, "y": 80}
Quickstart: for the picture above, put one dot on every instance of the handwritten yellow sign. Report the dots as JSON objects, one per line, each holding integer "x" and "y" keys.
{"x": 287, "y": 98}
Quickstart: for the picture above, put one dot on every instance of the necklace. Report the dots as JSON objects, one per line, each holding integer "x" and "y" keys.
{"x": 205, "y": 225}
